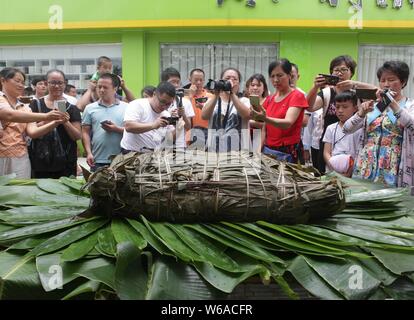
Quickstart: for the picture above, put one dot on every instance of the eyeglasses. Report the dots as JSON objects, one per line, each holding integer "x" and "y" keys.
{"x": 56, "y": 83}
{"x": 341, "y": 70}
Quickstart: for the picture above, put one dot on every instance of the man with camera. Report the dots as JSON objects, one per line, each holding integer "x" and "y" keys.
{"x": 181, "y": 107}
{"x": 146, "y": 120}
{"x": 102, "y": 123}
{"x": 228, "y": 114}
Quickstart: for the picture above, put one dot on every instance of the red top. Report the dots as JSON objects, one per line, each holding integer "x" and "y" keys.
{"x": 276, "y": 137}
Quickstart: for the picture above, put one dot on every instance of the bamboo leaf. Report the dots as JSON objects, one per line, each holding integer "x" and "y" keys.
{"x": 175, "y": 280}
{"x": 174, "y": 243}
{"x": 130, "y": 276}
{"x": 87, "y": 287}
{"x": 349, "y": 278}
{"x": 80, "y": 248}
{"x": 150, "y": 237}
{"x": 36, "y": 214}
{"x": 229, "y": 241}
{"x": 49, "y": 266}
{"x": 53, "y": 186}
{"x": 33, "y": 196}
{"x": 398, "y": 262}
{"x": 206, "y": 248}
{"x": 37, "y": 229}
{"x": 123, "y": 232}
{"x": 67, "y": 237}
{"x": 104, "y": 274}
{"x": 106, "y": 242}
{"x": 224, "y": 280}
{"x": 311, "y": 281}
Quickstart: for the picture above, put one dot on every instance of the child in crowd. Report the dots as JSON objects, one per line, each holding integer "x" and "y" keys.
{"x": 340, "y": 149}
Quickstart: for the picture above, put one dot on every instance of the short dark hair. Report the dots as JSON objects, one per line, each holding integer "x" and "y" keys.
{"x": 197, "y": 70}
{"x": 284, "y": 63}
{"x": 149, "y": 90}
{"x": 233, "y": 69}
{"x": 169, "y": 73}
{"x": 259, "y": 77}
{"x": 9, "y": 73}
{"x": 102, "y": 60}
{"x": 348, "y": 60}
{"x": 55, "y": 71}
{"x": 114, "y": 78}
{"x": 347, "y": 96}
{"x": 69, "y": 87}
{"x": 399, "y": 68}
{"x": 38, "y": 79}
{"x": 166, "y": 87}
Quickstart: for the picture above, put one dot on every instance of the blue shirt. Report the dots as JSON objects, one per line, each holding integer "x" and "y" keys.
{"x": 104, "y": 143}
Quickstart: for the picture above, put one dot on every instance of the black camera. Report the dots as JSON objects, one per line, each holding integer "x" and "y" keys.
{"x": 218, "y": 85}
{"x": 171, "y": 120}
{"x": 179, "y": 92}
{"x": 386, "y": 99}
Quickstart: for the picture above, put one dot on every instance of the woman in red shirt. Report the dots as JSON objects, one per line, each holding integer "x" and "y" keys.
{"x": 282, "y": 114}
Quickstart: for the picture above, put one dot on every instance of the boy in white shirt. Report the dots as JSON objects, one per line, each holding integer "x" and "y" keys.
{"x": 340, "y": 148}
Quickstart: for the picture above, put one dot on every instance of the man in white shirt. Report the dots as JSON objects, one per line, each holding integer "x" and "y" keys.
{"x": 146, "y": 120}
{"x": 181, "y": 107}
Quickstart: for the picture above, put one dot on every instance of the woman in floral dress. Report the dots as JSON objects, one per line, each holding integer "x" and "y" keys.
{"x": 385, "y": 153}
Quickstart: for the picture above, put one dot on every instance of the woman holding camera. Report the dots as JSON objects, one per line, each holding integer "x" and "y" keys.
{"x": 341, "y": 69}
{"x": 17, "y": 123}
{"x": 282, "y": 114}
{"x": 228, "y": 114}
{"x": 386, "y": 152}
{"x": 65, "y": 135}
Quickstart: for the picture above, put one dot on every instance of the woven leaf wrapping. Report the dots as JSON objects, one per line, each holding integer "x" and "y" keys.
{"x": 196, "y": 187}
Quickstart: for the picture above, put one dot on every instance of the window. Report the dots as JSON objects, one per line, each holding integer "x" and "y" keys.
{"x": 214, "y": 58}
{"x": 78, "y": 62}
{"x": 371, "y": 57}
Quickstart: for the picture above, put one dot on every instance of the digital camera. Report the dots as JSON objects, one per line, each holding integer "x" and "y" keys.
{"x": 218, "y": 85}
{"x": 171, "y": 120}
{"x": 386, "y": 99}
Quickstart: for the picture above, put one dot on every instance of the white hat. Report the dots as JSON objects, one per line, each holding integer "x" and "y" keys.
{"x": 341, "y": 162}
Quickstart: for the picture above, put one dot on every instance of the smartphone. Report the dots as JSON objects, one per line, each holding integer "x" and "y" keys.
{"x": 366, "y": 94}
{"x": 201, "y": 100}
{"x": 330, "y": 79}
{"x": 255, "y": 102}
{"x": 105, "y": 122}
{"x": 61, "y": 105}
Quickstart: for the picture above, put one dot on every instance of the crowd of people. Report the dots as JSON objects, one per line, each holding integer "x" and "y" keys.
{"x": 356, "y": 129}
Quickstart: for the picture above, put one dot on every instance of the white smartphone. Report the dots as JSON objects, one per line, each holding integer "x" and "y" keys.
{"x": 61, "y": 105}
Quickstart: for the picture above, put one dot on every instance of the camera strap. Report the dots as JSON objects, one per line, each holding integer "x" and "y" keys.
{"x": 222, "y": 124}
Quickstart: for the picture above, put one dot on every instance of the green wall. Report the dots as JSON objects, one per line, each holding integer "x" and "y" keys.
{"x": 109, "y": 10}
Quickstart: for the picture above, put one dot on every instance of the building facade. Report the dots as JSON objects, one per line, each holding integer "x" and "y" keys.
{"x": 144, "y": 37}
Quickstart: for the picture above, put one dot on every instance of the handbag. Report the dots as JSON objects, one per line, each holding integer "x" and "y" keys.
{"x": 278, "y": 155}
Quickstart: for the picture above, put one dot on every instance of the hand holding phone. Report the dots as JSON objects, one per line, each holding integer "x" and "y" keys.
{"x": 255, "y": 102}
{"x": 61, "y": 105}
